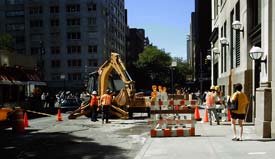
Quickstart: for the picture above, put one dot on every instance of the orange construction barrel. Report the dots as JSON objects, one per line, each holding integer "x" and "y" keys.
{"x": 18, "y": 121}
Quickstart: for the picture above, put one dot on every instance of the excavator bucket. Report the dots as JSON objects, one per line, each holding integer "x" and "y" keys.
{"x": 122, "y": 98}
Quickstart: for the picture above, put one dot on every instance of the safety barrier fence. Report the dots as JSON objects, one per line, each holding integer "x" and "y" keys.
{"x": 172, "y": 118}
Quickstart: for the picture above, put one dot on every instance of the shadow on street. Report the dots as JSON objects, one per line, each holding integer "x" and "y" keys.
{"x": 54, "y": 145}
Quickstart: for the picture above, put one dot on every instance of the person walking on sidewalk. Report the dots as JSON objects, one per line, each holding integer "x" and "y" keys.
{"x": 240, "y": 112}
{"x": 105, "y": 101}
{"x": 94, "y": 106}
{"x": 211, "y": 98}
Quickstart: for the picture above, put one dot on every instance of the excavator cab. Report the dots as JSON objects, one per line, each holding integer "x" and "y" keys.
{"x": 92, "y": 84}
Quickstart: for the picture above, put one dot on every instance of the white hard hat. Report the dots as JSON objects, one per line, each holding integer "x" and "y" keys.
{"x": 94, "y": 92}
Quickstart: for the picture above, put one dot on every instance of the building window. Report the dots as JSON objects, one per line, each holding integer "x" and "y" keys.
{"x": 238, "y": 41}
{"x": 92, "y": 62}
{"x": 92, "y": 49}
{"x": 14, "y": 1}
{"x": 74, "y": 76}
{"x": 36, "y": 23}
{"x": 74, "y": 63}
{"x": 256, "y": 11}
{"x": 216, "y": 6}
{"x": 73, "y": 35}
{"x": 74, "y": 49}
{"x": 55, "y": 76}
{"x": 54, "y": 9}
{"x": 92, "y": 21}
{"x": 75, "y": 21}
{"x": 224, "y": 49}
{"x": 35, "y": 50}
{"x": 231, "y": 40}
{"x": 55, "y": 50}
{"x": 20, "y": 39}
{"x": 16, "y": 13}
{"x": 15, "y": 27}
{"x": 55, "y": 63}
{"x": 36, "y": 37}
{"x": 35, "y": 10}
{"x": 73, "y": 8}
{"x": 54, "y": 22}
{"x": 91, "y": 7}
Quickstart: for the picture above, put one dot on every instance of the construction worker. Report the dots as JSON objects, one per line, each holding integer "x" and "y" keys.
{"x": 210, "y": 99}
{"x": 94, "y": 106}
{"x": 105, "y": 101}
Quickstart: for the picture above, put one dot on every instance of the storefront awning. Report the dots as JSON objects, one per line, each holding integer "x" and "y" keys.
{"x": 19, "y": 76}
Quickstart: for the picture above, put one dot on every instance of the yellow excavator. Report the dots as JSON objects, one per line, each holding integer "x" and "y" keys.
{"x": 125, "y": 99}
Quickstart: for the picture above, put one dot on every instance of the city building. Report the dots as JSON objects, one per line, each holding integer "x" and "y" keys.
{"x": 136, "y": 42}
{"x": 199, "y": 43}
{"x": 70, "y": 37}
{"x": 237, "y": 26}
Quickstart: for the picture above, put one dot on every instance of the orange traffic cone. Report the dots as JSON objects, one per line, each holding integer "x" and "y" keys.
{"x": 205, "y": 115}
{"x": 197, "y": 114}
{"x": 228, "y": 115}
{"x": 59, "y": 118}
{"x": 26, "y": 122}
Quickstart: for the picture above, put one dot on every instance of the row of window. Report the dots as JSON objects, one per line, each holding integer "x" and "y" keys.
{"x": 74, "y": 49}
{"x": 70, "y": 76}
{"x": 74, "y": 63}
{"x": 70, "y": 8}
{"x": 39, "y": 23}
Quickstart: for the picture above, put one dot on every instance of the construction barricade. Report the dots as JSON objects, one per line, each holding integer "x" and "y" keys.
{"x": 173, "y": 118}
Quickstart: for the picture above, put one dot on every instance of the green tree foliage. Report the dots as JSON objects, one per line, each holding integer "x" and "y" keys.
{"x": 183, "y": 68}
{"x": 154, "y": 64}
{"x": 6, "y": 41}
{"x": 154, "y": 67}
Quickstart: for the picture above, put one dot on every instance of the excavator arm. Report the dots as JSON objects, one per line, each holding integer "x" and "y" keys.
{"x": 127, "y": 94}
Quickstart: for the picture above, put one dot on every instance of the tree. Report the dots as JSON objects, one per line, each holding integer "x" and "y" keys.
{"x": 154, "y": 65}
{"x": 6, "y": 41}
{"x": 183, "y": 68}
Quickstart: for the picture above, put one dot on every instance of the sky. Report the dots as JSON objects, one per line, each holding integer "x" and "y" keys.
{"x": 166, "y": 22}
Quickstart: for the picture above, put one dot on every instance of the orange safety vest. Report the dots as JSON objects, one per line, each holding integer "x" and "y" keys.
{"x": 210, "y": 99}
{"x": 93, "y": 101}
{"x": 106, "y": 100}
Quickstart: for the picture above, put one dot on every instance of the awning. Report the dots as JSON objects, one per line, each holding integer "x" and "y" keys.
{"x": 5, "y": 82}
{"x": 4, "y": 79}
{"x": 38, "y": 83}
{"x": 19, "y": 76}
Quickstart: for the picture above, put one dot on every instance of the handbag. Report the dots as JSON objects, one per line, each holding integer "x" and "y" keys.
{"x": 234, "y": 105}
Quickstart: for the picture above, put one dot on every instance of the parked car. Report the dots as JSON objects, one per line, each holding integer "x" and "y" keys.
{"x": 68, "y": 104}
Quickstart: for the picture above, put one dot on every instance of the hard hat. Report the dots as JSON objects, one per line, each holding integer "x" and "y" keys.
{"x": 212, "y": 88}
{"x": 217, "y": 88}
{"x": 94, "y": 92}
{"x": 108, "y": 91}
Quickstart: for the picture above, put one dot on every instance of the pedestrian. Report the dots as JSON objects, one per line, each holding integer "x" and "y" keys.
{"x": 94, "y": 106}
{"x": 43, "y": 99}
{"x": 105, "y": 101}
{"x": 219, "y": 101}
{"x": 240, "y": 112}
{"x": 211, "y": 98}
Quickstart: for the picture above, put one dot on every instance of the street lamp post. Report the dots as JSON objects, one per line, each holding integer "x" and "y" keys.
{"x": 173, "y": 66}
{"x": 41, "y": 61}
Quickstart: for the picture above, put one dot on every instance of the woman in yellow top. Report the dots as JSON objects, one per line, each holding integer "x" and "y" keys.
{"x": 240, "y": 113}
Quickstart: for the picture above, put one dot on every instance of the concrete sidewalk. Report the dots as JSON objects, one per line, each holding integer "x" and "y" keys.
{"x": 213, "y": 142}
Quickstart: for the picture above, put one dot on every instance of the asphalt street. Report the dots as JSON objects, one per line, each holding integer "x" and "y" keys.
{"x": 126, "y": 139}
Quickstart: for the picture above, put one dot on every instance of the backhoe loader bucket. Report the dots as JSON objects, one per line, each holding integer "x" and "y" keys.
{"x": 122, "y": 98}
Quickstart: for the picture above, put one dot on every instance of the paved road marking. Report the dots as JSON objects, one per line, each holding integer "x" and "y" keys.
{"x": 257, "y": 153}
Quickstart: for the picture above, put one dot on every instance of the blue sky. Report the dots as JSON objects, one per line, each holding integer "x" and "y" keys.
{"x": 166, "y": 22}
